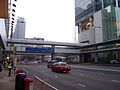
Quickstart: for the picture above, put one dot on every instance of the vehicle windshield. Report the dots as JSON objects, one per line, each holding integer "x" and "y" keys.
{"x": 63, "y": 64}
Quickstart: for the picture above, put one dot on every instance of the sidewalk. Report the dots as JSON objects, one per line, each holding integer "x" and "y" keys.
{"x": 6, "y": 82}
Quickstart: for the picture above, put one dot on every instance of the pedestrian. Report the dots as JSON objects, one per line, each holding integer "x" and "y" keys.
{"x": 9, "y": 69}
{"x": 0, "y": 67}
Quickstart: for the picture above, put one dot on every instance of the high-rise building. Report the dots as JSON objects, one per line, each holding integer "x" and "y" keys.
{"x": 7, "y": 15}
{"x": 19, "y": 32}
{"x": 20, "y": 29}
{"x": 98, "y": 21}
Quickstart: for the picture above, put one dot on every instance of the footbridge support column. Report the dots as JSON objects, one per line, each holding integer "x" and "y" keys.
{"x": 53, "y": 54}
{"x": 82, "y": 58}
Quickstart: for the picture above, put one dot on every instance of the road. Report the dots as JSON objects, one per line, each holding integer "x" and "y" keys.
{"x": 81, "y": 77}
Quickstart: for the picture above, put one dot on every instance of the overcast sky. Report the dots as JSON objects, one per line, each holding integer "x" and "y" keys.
{"x": 53, "y": 20}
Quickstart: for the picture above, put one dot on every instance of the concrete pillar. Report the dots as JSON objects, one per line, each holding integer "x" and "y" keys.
{"x": 116, "y": 1}
{"x": 1, "y": 56}
{"x": 53, "y": 54}
{"x": 96, "y": 56}
{"x": 79, "y": 27}
{"x": 82, "y": 59}
{"x": 43, "y": 57}
{"x": 102, "y": 4}
{"x": 79, "y": 57}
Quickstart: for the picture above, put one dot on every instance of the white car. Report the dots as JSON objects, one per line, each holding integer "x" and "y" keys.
{"x": 114, "y": 61}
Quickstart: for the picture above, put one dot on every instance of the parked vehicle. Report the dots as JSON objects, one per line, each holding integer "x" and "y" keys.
{"x": 61, "y": 67}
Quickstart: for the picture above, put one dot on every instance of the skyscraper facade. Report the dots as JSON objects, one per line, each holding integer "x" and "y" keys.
{"x": 7, "y": 15}
{"x": 98, "y": 21}
{"x": 19, "y": 32}
{"x": 20, "y": 29}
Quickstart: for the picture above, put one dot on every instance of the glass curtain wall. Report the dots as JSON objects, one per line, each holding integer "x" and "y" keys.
{"x": 108, "y": 23}
{"x": 117, "y": 10}
{"x": 111, "y": 24}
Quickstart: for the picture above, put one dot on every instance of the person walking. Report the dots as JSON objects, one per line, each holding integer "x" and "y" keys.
{"x": 0, "y": 67}
{"x": 9, "y": 69}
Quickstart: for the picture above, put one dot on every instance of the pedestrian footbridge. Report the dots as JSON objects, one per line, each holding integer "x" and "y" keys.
{"x": 39, "y": 46}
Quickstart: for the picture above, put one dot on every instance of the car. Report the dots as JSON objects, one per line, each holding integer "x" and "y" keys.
{"x": 50, "y": 63}
{"x": 114, "y": 61}
{"x": 61, "y": 67}
{"x": 58, "y": 59}
{"x": 39, "y": 61}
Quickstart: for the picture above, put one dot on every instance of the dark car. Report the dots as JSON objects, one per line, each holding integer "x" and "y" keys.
{"x": 50, "y": 63}
{"x": 62, "y": 67}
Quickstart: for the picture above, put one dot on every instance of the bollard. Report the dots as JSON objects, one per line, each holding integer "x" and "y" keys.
{"x": 28, "y": 84}
{"x": 20, "y": 81}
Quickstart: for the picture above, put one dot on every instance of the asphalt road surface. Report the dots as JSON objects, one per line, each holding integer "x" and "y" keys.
{"x": 79, "y": 78}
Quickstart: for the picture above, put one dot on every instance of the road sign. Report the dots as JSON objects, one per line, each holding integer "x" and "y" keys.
{"x": 40, "y": 50}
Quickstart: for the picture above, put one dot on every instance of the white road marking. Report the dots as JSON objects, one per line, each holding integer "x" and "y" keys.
{"x": 81, "y": 85}
{"x": 116, "y": 81}
{"x": 96, "y": 68}
{"x": 56, "y": 76}
{"x": 45, "y": 83}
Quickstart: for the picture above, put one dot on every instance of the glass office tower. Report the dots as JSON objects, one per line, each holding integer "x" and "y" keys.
{"x": 85, "y": 11}
{"x": 98, "y": 21}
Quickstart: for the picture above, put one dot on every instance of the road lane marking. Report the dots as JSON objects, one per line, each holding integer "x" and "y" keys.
{"x": 116, "y": 81}
{"x": 56, "y": 76}
{"x": 45, "y": 83}
{"x": 96, "y": 68}
{"x": 81, "y": 85}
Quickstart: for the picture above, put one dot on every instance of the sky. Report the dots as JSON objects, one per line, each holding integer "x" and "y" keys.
{"x": 53, "y": 20}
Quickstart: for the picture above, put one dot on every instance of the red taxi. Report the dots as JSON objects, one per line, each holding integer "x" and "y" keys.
{"x": 62, "y": 67}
